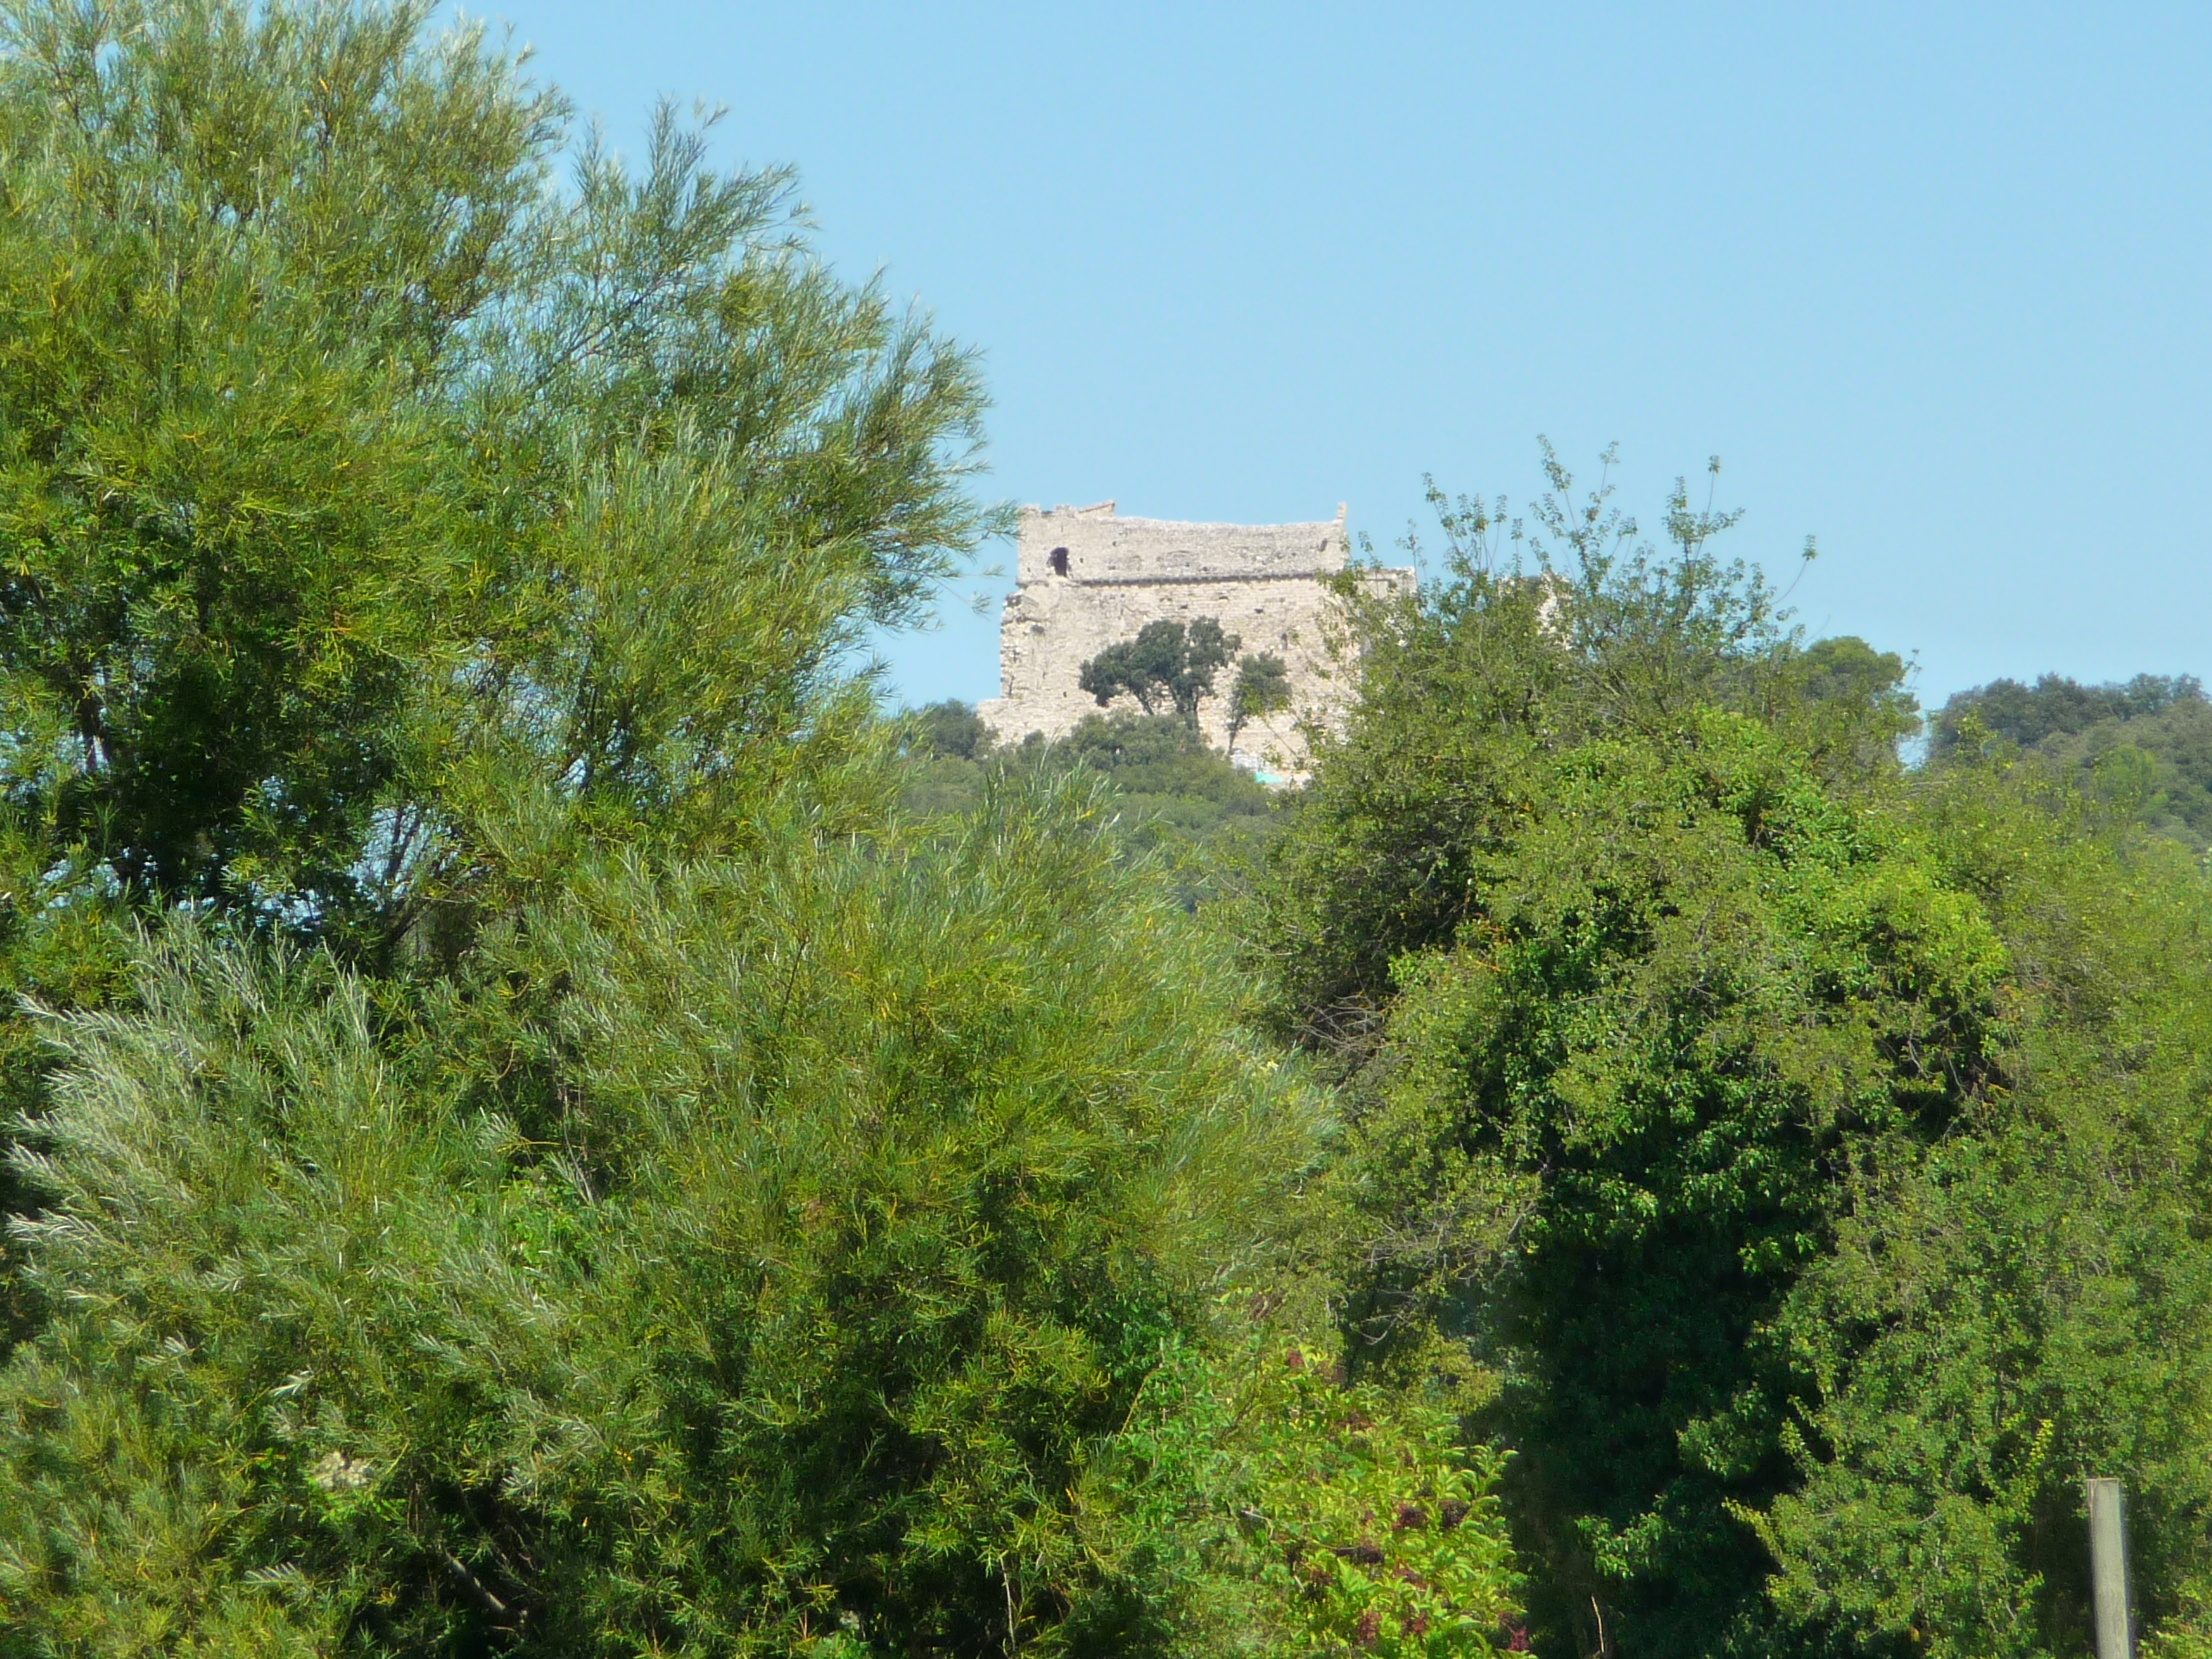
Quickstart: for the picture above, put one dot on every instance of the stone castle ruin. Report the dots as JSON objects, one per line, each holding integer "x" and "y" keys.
{"x": 1087, "y": 579}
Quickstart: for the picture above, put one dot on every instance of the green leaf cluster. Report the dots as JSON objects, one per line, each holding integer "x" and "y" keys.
{"x": 1299, "y": 1514}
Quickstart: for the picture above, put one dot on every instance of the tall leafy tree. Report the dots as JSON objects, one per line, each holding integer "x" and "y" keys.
{"x": 1615, "y": 976}
{"x": 1542, "y": 631}
{"x": 318, "y": 392}
{"x": 240, "y": 257}
{"x": 1803, "y": 1145}
{"x": 1166, "y": 665}
{"x": 333, "y": 430}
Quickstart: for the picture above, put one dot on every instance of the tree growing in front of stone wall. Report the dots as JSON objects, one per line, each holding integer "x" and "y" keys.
{"x": 1261, "y": 688}
{"x": 1168, "y": 665}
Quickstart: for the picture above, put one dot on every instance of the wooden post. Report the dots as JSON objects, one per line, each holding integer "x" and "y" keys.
{"x": 2108, "y": 1570}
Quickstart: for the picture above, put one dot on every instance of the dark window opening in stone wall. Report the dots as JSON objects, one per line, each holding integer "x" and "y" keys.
{"x": 1060, "y": 560}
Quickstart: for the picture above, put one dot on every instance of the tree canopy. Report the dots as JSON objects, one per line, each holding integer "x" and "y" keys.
{"x": 313, "y": 376}
{"x": 2144, "y": 748}
{"x": 1262, "y": 688}
{"x": 1745, "y": 1105}
{"x": 524, "y": 1146}
{"x": 542, "y": 1124}
{"x": 1166, "y": 665}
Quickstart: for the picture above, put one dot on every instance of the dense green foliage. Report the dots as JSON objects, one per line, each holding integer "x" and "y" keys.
{"x": 1349, "y": 1519}
{"x": 795, "y": 1297}
{"x": 2028, "y": 1300}
{"x": 1811, "y": 1150}
{"x": 2144, "y": 748}
{"x": 525, "y": 1147}
{"x": 1694, "y": 985}
{"x": 1176, "y": 798}
{"x": 543, "y": 1126}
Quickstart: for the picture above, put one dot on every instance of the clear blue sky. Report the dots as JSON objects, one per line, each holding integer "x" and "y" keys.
{"x": 1932, "y": 280}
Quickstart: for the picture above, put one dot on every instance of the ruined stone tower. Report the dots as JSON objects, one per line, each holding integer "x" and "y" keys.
{"x": 1087, "y": 579}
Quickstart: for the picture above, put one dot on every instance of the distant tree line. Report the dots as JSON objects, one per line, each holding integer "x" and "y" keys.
{"x": 2143, "y": 748}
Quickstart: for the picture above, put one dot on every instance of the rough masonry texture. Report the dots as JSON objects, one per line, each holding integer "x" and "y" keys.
{"x": 1087, "y": 579}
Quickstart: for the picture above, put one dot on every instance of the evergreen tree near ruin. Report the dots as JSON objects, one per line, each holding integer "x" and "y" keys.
{"x": 1170, "y": 667}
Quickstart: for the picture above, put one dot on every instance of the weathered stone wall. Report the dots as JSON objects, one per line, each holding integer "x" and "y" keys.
{"x": 1088, "y": 579}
